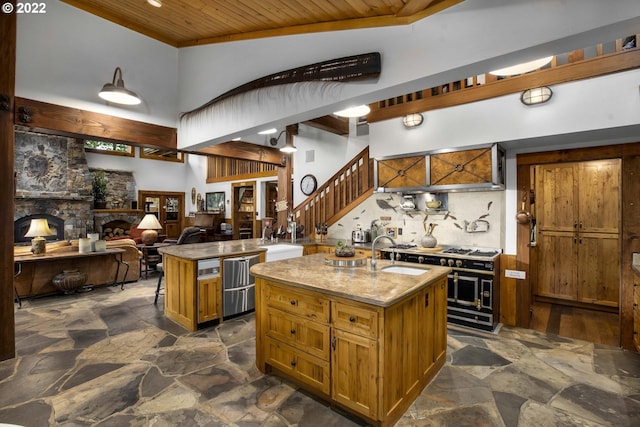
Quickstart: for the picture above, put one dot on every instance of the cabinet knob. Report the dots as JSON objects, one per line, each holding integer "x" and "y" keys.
{"x": 293, "y": 331}
{"x": 293, "y": 302}
{"x": 293, "y": 363}
{"x": 352, "y": 319}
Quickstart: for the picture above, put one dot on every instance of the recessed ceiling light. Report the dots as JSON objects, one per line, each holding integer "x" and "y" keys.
{"x": 268, "y": 131}
{"x": 155, "y": 3}
{"x": 357, "y": 111}
{"x": 526, "y": 67}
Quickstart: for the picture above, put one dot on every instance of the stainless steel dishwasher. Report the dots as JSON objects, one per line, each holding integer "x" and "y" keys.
{"x": 238, "y": 285}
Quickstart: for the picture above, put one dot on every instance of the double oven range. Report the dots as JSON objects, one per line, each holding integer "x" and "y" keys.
{"x": 473, "y": 295}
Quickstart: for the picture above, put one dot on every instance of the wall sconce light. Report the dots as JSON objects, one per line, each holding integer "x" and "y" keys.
{"x": 117, "y": 93}
{"x": 536, "y": 95}
{"x": 149, "y": 224}
{"x": 412, "y": 120}
{"x": 38, "y": 228}
{"x": 287, "y": 148}
{"x": 357, "y": 111}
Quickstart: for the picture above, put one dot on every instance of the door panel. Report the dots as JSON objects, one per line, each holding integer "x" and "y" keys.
{"x": 168, "y": 207}
{"x": 599, "y": 272}
{"x": 556, "y": 265}
{"x": 599, "y": 184}
{"x": 555, "y": 194}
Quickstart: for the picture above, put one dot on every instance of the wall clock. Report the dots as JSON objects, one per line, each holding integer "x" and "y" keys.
{"x": 308, "y": 184}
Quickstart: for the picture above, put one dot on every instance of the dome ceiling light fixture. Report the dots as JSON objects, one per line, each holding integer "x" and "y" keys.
{"x": 536, "y": 95}
{"x": 116, "y": 92}
{"x": 412, "y": 120}
{"x": 357, "y": 111}
{"x": 523, "y": 68}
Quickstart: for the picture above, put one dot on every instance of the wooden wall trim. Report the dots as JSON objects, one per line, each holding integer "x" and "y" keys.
{"x": 7, "y": 186}
{"x": 630, "y": 226}
{"x": 244, "y": 151}
{"x": 508, "y": 291}
{"x": 51, "y": 118}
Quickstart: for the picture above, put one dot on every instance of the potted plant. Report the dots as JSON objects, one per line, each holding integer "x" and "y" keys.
{"x": 99, "y": 188}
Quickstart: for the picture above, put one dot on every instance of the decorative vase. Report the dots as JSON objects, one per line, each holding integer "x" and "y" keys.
{"x": 429, "y": 241}
{"x": 69, "y": 280}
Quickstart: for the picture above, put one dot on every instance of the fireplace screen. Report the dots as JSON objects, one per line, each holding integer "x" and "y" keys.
{"x": 21, "y": 226}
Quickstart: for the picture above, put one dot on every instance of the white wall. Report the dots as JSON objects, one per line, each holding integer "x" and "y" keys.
{"x": 465, "y": 40}
{"x": 65, "y": 56}
{"x": 598, "y": 111}
{"x": 329, "y": 151}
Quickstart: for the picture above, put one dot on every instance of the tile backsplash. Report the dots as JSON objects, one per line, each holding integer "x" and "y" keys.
{"x": 453, "y": 226}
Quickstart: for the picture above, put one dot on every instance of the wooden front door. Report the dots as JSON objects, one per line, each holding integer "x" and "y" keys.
{"x": 167, "y": 206}
{"x": 577, "y": 211}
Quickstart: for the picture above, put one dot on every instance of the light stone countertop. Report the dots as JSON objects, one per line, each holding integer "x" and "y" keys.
{"x": 198, "y": 251}
{"x": 356, "y": 283}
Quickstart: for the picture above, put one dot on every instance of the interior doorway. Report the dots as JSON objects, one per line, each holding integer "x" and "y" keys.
{"x": 572, "y": 244}
{"x": 167, "y": 206}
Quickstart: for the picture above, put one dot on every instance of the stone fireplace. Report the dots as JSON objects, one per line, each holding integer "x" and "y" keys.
{"x": 54, "y": 180}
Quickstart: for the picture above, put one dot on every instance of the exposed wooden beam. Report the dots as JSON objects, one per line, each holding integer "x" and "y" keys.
{"x": 245, "y": 151}
{"x": 7, "y": 186}
{"x": 51, "y": 118}
{"x": 337, "y": 125}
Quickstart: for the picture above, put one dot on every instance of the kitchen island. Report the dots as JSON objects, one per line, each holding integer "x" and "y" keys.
{"x": 192, "y": 275}
{"x": 367, "y": 341}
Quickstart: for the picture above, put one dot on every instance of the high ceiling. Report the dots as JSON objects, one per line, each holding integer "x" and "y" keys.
{"x": 183, "y": 23}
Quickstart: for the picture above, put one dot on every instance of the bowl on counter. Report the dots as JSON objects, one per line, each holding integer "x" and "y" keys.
{"x": 434, "y": 204}
{"x": 346, "y": 251}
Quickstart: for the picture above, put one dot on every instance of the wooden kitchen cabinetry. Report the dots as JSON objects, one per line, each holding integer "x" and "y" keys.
{"x": 209, "y": 299}
{"x": 368, "y": 359}
{"x": 329, "y": 249}
{"x": 577, "y": 213}
{"x": 479, "y": 168}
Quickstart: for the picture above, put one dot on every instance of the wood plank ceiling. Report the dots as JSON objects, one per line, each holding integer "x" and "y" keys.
{"x": 183, "y": 23}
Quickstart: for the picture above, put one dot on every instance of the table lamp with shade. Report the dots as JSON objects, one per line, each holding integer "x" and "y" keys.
{"x": 149, "y": 224}
{"x": 38, "y": 228}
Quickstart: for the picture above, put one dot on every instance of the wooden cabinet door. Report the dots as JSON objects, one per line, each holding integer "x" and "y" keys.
{"x": 440, "y": 319}
{"x": 209, "y": 295}
{"x": 599, "y": 202}
{"x": 557, "y": 265}
{"x": 599, "y": 269}
{"x": 354, "y": 376}
{"x": 578, "y": 220}
{"x": 403, "y": 172}
{"x": 556, "y": 198}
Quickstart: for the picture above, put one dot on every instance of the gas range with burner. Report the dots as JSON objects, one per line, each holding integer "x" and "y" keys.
{"x": 473, "y": 296}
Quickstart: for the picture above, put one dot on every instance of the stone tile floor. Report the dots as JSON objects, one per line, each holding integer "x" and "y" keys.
{"x": 110, "y": 358}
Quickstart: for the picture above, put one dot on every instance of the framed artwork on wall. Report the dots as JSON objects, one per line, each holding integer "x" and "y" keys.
{"x": 215, "y": 201}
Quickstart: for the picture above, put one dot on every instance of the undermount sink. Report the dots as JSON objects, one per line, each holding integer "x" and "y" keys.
{"x": 412, "y": 271}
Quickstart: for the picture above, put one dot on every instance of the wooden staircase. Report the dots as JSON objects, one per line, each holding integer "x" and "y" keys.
{"x": 339, "y": 194}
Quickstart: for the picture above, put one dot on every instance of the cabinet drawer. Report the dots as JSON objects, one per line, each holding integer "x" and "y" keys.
{"x": 300, "y": 304}
{"x": 305, "y": 335}
{"x": 299, "y": 365}
{"x": 354, "y": 319}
